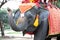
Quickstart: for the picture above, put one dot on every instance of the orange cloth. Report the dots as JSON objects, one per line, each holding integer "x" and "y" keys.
{"x": 54, "y": 21}
{"x": 25, "y": 6}
{"x": 58, "y": 10}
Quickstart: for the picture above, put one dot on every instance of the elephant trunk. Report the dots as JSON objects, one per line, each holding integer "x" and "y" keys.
{"x": 21, "y": 23}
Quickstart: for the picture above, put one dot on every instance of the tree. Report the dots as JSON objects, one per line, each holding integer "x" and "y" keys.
{"x": 3, "y": 19}
{"x": 3, "y": 2}
{"x": 2, "y": 29}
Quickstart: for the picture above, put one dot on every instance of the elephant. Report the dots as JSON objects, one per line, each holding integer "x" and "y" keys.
{"x": 27, "y": 19}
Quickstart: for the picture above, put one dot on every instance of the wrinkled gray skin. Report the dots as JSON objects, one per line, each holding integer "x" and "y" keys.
{"x": 40, "y": 33}
{"x": 28, "y": 18}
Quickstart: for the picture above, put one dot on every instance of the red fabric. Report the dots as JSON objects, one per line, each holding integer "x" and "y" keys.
{"x": 52, "y": 0}
{"x": 34, "y": 1}
{"x": 27, "y": 1}
{"x": 54, "y": 20}
{"x": 37, "y": 4}
{"x": 30, "y": 33}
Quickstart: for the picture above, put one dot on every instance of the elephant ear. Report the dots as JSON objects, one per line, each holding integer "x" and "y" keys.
{"x": 34, "y": 23}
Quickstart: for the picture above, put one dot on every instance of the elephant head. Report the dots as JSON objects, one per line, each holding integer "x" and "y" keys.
{"x": 23, "y": 18}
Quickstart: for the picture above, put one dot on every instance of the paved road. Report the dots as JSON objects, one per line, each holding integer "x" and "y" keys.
{"x": 12, "y": 35}
{"x": 19, "y": 38}
{"x": 16, "y": 39}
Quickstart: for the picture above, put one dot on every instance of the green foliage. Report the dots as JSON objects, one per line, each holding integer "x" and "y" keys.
{"x": 58, "y": 4}
{"x": 3, "y": 16}
{"x": 6, "y": 26}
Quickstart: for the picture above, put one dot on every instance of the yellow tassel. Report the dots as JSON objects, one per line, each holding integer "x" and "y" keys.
{"x": 36, "y": 23}
{"x": 16, "y": 22}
